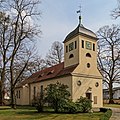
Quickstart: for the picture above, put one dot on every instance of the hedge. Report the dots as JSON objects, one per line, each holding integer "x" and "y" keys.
{"x": 107, "y": 114}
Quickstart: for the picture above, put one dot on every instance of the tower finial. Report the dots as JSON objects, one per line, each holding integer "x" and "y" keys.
{"x": 79, "y": 12}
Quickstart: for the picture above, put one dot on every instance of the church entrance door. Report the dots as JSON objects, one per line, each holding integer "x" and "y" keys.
{"x": 89, "y": 95}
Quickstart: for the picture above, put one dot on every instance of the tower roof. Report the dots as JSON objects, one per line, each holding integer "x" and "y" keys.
{"x": 80, "y": 30}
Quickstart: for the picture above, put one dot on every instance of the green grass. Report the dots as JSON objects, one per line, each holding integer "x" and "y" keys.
{"x": 112, "y": 105}
{"x": 29, "y": 113}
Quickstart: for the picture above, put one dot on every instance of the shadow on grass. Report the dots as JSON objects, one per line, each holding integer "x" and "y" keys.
{"x": 5, "y": 107}
{"x": 25, "y": 107}
{"x": 31, "y": 112}
{"x": 35, "y": 114}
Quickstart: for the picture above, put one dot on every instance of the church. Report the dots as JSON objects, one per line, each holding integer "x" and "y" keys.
{"x": 79, "y": 71}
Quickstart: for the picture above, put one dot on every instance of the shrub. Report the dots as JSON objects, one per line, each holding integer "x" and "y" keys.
{"x": 70, "y": 107}
{"x": 107, "y": 115}
{"x": 57, "y": 95}
{"x": 84, "y": 105}
{"x": 39, "y": 105}
{"x": 39, "y": 102}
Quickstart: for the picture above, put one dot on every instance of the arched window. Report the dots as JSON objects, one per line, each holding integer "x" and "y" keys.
{"x": 71, "y": 56}
{"x": 88, "y": 65}
{"x": 88, "y": 55}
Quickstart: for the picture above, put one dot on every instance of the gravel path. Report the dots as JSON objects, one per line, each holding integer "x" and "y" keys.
{"x": 115, "y": 114}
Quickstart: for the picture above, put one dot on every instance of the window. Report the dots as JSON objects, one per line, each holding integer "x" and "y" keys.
{"x": 71, "y": 56}
{"x": 51, "y": 72}
{"x": 88, "y": 65}
{"x": 95, "y": 99}
{"x": 96, "y": 84}
{"x": 93, "y": 47}
{"x": 66, "y": 49}
{"x": 19, "y": 94}
{"x": 88, "y": 55}
{"x": 75, "y": 44}
{"x": 71, "y": 46}
{"x": 41, "y": 90}
{"x": 40, "y": 75}
{"x": 82, "y": 43}
{"x": 88, "y": 95}
{"x": 34, "y": 92}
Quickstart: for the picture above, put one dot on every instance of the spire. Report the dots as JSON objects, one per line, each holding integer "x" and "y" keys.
{"x": 80, "y": 18}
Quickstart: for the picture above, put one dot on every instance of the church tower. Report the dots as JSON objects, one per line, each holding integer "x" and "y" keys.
{"x": 80, "y": 47}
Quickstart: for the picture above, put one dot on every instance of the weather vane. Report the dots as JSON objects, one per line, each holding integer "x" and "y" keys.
{"x": 79, "y": 12}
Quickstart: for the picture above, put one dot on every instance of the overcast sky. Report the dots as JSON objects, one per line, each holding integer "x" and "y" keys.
{"x": 59, "y": 17}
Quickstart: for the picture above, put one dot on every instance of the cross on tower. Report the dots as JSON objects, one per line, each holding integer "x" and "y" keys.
{"x": 79, "y": 12}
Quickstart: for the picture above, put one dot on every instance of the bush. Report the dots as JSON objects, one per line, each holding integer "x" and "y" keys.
{"x": 39, "y": 102}
{"x": 107, "y": 115}
{"x": 70, "y": 107}
{"x": 84, "y": 105}
{"x": 57, "y": 95}
{"x": 39, "y": 105}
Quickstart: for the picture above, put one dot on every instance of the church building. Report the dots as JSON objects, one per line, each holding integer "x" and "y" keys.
{"x": 79, "y": 71}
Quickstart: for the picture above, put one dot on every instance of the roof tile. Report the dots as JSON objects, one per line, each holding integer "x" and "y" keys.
{"x": 48, "y": 73}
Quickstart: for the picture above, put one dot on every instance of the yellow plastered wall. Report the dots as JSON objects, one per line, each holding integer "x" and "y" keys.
{"x": 66, "y": 80}
{"x": 24, "y": 95}
{"x": 19, "y": 100}
{"x": 80, "y": 56}
{"x": 75, "y": 59}
{"x": 83, "y": 60}
{"x": 86, "y": 83}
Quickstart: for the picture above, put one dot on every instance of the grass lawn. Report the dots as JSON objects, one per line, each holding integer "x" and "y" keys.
{"x": 29, "y": 113}
{"x": 112, "y": 105}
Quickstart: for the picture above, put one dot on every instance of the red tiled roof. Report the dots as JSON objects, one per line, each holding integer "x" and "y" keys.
{"x": 48, "y": 73}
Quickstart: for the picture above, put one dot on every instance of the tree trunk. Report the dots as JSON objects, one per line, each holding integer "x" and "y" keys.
{"x": 2, "y": 86}
{"x": 56, "y": 106}
{"x": 111, "y": 93}
{"x": 13, "y": 104}
{"x": 0, "y": 93}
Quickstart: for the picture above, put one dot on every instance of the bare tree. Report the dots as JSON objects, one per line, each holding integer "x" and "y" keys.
{"x": 116, "y": 11}
{"x": 18, "y": 33}
{"x": 109, "y": 56}
{"x": 55, "y": 55}
{"x": 35, "y": 64}
{"x": 5, "y": 45}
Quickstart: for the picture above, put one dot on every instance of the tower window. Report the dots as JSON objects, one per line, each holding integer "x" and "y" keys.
{"x": 93, "y": 47}
{"x": 71, "y": 46}
{"x": 88, "y": 55}
{"x": 66, "y": 49}
{"x": 96, "y": 84}
{"x": 71, "y": 56}
{"x": 75, "y": 44}
{"x": 82, "y": 43}
{"x": 88, "y": 65}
